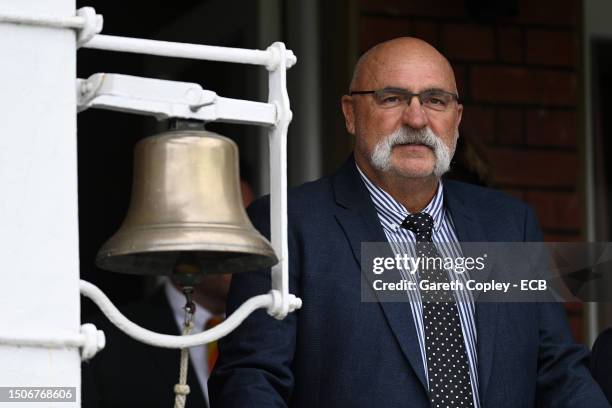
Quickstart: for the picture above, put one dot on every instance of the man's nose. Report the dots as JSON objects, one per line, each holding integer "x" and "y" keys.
{"x": 414, "y": 115}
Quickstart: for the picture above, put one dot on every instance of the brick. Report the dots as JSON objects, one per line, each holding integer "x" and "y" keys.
{"x": 374, "y": 30}
{"x": 555, "y": 210}
{"x": 550, "y": 12}
{"x": 510, "y": 45}
{"x": 521, "y": 85}
{"x": 556, "y": 237}
{"x": 533, "y": 168}
{"x": 552, "y": 128}
{"x": 510, "y": 129}
{"x": 426, "y": 31}
{"x": 574, "y": 308}
{"x": 478, "y": 123}
{"x": 461, "y": 75}
{"x": 469, "y": 163}
{"x": 576, "y": 325}
{"x": 551, "y": 47}
{"x": 440, "y": 8}
{"x": 468, "y": 42}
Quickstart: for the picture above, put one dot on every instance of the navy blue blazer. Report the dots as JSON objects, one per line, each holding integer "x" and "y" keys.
{"x": 601, "y": 362}
{"x": 338, "y": 351}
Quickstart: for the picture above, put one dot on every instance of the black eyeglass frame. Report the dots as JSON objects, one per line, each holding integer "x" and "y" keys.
{"x": 409, "y": 95}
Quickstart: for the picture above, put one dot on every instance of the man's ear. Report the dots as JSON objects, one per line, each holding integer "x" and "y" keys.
{"x": 349, "y": 113}
{"x": 459, "y": 115}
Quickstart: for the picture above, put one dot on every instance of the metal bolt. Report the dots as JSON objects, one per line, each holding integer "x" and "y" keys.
{"x": 86, "y": 87}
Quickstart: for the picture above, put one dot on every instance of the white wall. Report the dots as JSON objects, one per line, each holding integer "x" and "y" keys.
{"x": 38, "y": 208}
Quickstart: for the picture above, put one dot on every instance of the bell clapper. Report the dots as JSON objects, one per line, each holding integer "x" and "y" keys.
{"x": 187, "y": 273}
{"x": 189, "y": 304}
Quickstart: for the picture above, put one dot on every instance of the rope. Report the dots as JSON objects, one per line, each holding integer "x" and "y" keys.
{"x": 181, "y": 390}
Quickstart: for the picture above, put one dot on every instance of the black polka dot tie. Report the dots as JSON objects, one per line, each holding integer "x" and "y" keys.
{"x": 447, "y": 364}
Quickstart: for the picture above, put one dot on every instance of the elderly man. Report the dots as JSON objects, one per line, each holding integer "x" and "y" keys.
{"x": 338, "y": 351}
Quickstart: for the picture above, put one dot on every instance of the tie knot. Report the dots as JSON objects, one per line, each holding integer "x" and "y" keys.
{"x": 419, "y": 223}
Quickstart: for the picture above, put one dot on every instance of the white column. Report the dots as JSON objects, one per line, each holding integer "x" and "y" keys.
{"x": 38, "y": 206}
{"x": 305, "y": 155}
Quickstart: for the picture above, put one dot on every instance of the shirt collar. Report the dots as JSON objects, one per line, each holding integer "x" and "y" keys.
{"x": 392, "y": 212}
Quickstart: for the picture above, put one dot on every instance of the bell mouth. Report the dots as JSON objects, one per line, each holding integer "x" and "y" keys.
{"x": 155, "y": 251}
{"x": 163, "y": 262}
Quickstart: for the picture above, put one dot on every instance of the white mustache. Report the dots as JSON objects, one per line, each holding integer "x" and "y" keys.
{"x": 409, "y": 136}
{"x": 381, "y": 156}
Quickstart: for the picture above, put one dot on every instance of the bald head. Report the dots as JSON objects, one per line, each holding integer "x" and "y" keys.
{"x": 397, "y": 53}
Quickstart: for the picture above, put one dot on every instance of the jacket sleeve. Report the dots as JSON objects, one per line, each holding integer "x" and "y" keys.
{"x": 563, "y": 379}
{"x": 601, "y": 362}
{"x": 254, "y": 364}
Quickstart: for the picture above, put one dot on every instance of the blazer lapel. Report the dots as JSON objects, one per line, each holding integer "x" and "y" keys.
{"x": 469, "y": 229}
{"x": 360, "y": 223}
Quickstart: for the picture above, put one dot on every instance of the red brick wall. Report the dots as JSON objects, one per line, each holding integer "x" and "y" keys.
{"x": 517, "y": 78}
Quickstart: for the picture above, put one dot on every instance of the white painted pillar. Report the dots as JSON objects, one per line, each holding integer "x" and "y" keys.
{"x": 38, "y": 197}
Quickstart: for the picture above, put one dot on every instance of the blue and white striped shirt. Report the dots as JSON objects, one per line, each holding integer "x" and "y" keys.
{"x": 391, "y": 213}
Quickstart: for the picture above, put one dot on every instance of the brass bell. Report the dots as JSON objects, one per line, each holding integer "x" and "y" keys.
{"x": 186, "y": 213}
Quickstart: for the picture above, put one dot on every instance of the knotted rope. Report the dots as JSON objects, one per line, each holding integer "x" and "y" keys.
{"x": 182, "y": 389}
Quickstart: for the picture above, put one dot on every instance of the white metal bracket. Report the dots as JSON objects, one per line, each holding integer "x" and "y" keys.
{"x": 86, "y": 23}
{"x": 270, "y": 301}
{"x": 89, "y": 340}
{"x": 168, "y": 99}
{"x": 277, "y": 94}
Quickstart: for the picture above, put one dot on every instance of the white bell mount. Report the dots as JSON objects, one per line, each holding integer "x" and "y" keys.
{"x": 172, "y": 99}
{"x": 270, "y": 301}
{"x": 169, "y": 99}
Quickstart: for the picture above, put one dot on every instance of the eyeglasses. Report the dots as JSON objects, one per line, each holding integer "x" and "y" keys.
{"x": 434, "y": 99}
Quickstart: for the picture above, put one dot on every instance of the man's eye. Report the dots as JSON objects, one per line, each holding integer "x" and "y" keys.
{"x": 388, "y": 99}
{"x": 436, "y": 100}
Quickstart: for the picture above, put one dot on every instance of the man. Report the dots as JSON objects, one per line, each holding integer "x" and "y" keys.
{"x": 338, "y": 351}
{"x": 128, "y": 373}
{"x": 601, "y": 362}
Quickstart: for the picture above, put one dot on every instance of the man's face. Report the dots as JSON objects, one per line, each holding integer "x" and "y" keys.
{"x": 409, "y": 140}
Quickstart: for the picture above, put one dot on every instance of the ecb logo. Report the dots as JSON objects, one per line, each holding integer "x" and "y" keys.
{"x": 539, "y": 284}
